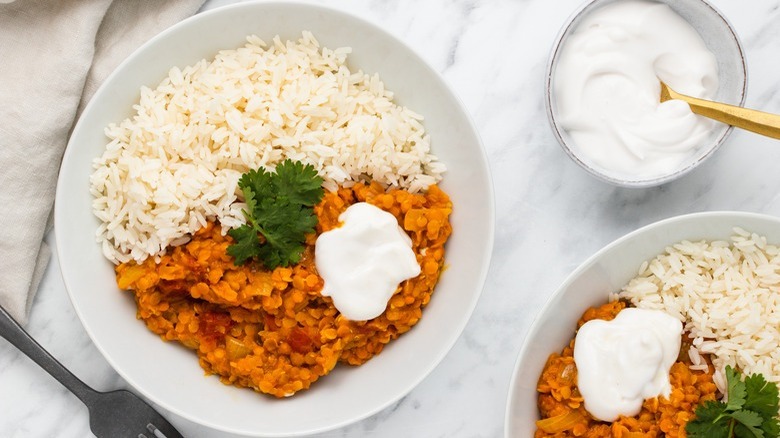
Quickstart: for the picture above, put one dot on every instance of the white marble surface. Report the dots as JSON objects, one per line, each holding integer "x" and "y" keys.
{"x": 551, "y": 215}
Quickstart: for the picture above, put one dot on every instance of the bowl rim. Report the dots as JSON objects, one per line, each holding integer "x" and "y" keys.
{"x": 588, "y": 262}
{"x": 481, "y": 272}
{"x": 569, "y": 27}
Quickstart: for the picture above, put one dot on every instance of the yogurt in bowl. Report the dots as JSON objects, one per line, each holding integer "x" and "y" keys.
{"x": 603, "y": 87}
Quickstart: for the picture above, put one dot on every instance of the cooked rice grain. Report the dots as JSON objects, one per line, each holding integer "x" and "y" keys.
{"x": 727, "y": 294}
{"x": 175, "y": 164}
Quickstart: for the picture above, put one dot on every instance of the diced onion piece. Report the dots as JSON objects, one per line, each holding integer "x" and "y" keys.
{"x": 235, "y": 348}
{"x": 560, "y": 423}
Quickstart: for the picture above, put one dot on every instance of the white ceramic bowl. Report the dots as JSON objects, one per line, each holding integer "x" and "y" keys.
{"x": 722, "y": 40}
{"x": 589, "y": 285}
{"x": 168, "y": 374}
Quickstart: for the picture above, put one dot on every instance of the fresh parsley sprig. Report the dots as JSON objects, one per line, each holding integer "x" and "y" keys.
{"x": 279, "y": 213}
{"x": 750, "y": 412}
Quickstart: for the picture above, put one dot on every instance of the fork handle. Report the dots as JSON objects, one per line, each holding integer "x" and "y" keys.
{"x": 16, "y": 335}
{"x": 752, "y": 120}
{"x": 767, "y": 124}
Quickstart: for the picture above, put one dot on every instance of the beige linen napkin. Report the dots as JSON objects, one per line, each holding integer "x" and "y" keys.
{"x": 53, "y": 56}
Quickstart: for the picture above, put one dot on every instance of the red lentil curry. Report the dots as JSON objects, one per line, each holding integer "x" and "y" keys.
{"x": 563, "y": 412}
{"x": 273, "y": 331}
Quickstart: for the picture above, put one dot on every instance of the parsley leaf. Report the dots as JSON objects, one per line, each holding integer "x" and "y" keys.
{"x": 764, "y": 399}
{"x": 298, "y": 183}
{"x": 736, "y": 390}
{"x": 279, "y": 214}
{"x": 247, "y": 244}
{"x": 771, "y": 427}
{"x": 750, "y": 412}
{"x": 748, "y": 425}
{"x": 709, "y": 423}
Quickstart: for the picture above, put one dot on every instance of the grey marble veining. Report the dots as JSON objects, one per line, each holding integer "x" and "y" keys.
{"x": 551, "y": 215}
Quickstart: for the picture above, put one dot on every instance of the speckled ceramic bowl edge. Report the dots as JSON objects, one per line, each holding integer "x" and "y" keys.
{"x": 558, "y": 132}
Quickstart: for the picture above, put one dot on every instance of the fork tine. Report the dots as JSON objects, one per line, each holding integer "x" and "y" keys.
{"x": 166, "y": 430}
{"x": 155, "y": 431}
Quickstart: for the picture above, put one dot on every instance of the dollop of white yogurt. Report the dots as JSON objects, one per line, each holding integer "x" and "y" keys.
{"x": 363, "y": 261}
{"x": 623, "y": 362}
{"x": 606, "y": 88}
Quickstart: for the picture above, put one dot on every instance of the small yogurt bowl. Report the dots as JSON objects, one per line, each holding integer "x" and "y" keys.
{"x": 720, "y": 38}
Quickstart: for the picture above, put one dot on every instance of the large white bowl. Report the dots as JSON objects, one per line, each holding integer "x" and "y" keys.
{"x": 589, "y": 285}
{"x": 168, "y": 374}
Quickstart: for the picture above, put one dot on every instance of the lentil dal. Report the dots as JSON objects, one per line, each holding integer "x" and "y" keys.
{"x": 273, "y": 331}
{"x": 563, "y": 412}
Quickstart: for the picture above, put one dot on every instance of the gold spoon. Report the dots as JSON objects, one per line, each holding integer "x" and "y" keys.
{"x": 752, "y": 120}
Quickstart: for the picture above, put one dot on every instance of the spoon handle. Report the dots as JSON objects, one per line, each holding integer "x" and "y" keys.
{"x": 15, "y": 334}
{"x": 749, "y": 119}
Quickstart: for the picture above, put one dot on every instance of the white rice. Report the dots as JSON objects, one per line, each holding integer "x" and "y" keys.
{"x": 728, "y": 296}
{"x": 176, "y": 162}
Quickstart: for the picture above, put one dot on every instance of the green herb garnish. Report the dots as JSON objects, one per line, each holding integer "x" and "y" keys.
{"x": 279, "y": 213}
{"x": 751, "y": 410}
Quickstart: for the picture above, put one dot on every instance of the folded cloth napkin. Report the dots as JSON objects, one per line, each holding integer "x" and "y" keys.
{"x": 54, "y": 56}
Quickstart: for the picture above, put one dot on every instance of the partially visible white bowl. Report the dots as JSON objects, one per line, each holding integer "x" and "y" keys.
{"x": 168, "y": 374}
{"x": 589, "y": 285}
{"x": 722, "y": 40}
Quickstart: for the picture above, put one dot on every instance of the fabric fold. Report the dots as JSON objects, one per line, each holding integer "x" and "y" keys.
{"x": 55, "y": 56}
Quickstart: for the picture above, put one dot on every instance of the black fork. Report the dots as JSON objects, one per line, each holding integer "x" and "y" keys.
{"x": 111, "y": 414}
